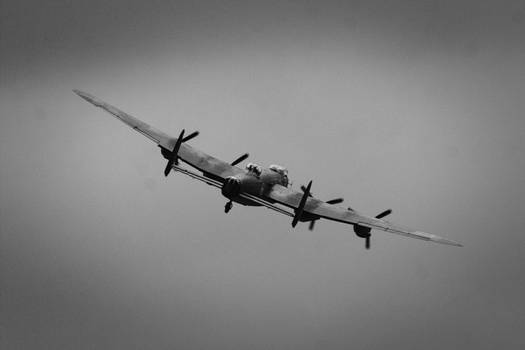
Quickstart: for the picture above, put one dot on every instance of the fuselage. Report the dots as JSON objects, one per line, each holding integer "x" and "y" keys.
{"x": 255, "y": 181}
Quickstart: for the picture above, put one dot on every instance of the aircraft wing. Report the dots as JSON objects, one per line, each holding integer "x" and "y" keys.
{"x": 194, "y": 157}
{"x": 292, "y": 199}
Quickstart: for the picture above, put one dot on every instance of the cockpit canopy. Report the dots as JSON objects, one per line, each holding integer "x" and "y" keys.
{"x": 278, "y": 169}
{"x": 282, "y": 171}
{"x": 257, "y": 171}
{"x": 254, "y": 168}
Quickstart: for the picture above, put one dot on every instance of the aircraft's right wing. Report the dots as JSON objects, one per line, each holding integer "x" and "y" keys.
{"x": 190, "y": 155}
{"x": 147, "y": 130}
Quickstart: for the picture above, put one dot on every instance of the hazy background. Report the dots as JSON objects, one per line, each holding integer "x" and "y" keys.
{"x": 414, "y": 105}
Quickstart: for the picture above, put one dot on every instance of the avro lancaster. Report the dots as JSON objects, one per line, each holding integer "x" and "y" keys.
{"x": 255, "y": 185}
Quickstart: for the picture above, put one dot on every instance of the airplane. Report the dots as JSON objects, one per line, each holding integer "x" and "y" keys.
{"x": 256, "y": 185}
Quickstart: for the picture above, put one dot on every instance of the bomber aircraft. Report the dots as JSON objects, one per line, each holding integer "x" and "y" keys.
{"x": 256, "y": 185}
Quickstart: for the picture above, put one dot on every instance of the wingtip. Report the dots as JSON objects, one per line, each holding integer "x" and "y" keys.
{"x": 448, "y": 242}
{"x": 441, "y": 240}
{"x": 90, "y": 98}
{"x": 80, "y": 93}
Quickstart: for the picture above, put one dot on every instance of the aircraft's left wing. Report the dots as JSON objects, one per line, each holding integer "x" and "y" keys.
{"x": 292, "y": 199}
{"x": 190, "y": 155}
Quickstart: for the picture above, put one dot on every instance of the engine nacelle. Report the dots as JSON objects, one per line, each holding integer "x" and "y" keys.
{"x": 362, "y": 231}
{"x": 231, "y": 187}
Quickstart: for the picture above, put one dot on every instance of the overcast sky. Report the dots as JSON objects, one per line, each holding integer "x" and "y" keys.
{"x": 414, "y": 105}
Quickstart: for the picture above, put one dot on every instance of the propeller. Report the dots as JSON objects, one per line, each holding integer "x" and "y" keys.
{"x": 174, "y": 156}
{"x": 364, "y": 232}
{"x": 331, "y": 201}
{"x": 299, "y": 211}
{"x": 303, "y": 188}
{"x": 240, "y": 159}
{"x": 335, "y": 201}
{"x": 190, "y": 136}
{"x": 383, "y": 214}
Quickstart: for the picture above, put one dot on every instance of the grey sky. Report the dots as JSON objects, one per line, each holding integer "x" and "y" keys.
{"x": 413, "y": 105}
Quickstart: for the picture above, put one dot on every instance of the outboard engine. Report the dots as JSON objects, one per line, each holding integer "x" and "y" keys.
{"x": 363, "y": 232}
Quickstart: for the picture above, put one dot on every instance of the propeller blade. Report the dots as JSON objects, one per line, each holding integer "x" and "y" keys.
{"x": 299, "y": 211}
{"x": 240, "y": 159}
{"x": 304, "y": 190}
{"x": 367, "y": 242}
{"x": 174, "y": 154}
{"x": 335, "y": 201}
{"x": 312, "y": 225}
{"x": 383, "y": 214}
{"x": 167, "y": 169}
{"x": 190, "y": 136}
{"x": 331, "y": 201}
